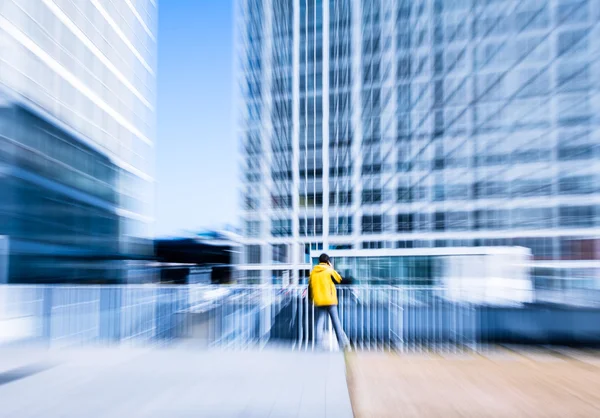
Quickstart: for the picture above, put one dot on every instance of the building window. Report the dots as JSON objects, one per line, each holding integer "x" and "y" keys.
{"x": 251, "y": 203}
{"x": 371, "y": 196}
{"x": 253, "y": 254}
{"x": 574, "y": 110}
{"x": 311, "y": 199}
{"x": 422, "y": 244}
{"x": 340, "y": 246}
{"x": 439, "y": 193}
{"x": 372, "y": 224}
{"x": 573, "y": 42}
{"x": 341, "y": 198}
{"x": 440, "y": 221}
{"x": 403, "y": 44}
{"x": 308, "y": 247}
{"x": 457, "y": 192}
{"x": 253, "y": 177}
{"x": 342, "y": 225}
{"x": 577, "y": 152}
{"x": 457, "y": 221}
{"x": 372, "y": 245}
{"x": 532, "y": 19}
{"x": 374, "y": 168}
{"x": 280, "y": 253}
{"x": 423, "y": 222}
{"x": 490, "y": 189}
{"x": 438, "y": 63}
{"x": 531, "y": 155}
{"x": 573, "y": 76}
{"x": 533, "y": 83}
{"x": 252, "y": 229}
{"x": 570, "y": 11}
{"x": 404, "y": 194}
{"x": 285, "y": 175}
{"x": 491, "y": 219}
{"x": 578, "y": 185}
{"x": 311, "y": 173}
{"x": 311, "y": 226}
{"x": 404, "y": 103}
{"x": 404, "y": 68}
{"x": 281, "y": 227}
{"x": 340, "y": 170}
{"x": 572, "y": 248}
{"x": 491, "y": 157}
{"x": 460, "y": 243}
{"x": 577, "y": 216}
{"x": 404, "y": 222}
{"x": 531, "y": 187}
{"x": 281, "y": 201}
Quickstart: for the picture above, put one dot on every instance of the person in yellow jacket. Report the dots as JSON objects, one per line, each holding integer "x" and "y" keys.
{"x": 324, "y": 296}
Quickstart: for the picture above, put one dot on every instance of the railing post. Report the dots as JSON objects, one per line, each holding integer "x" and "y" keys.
{"x": 47, "y": 302}
{"x": 110, "y": 314}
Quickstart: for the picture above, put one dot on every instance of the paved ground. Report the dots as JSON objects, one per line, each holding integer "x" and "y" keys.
{"x": 171, "y": 383}
{"x": 519, "y": 382}
{"x": 184, "y": 382}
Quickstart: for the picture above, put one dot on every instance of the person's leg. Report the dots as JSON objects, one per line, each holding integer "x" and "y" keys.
{"x": 337, "y": 327}
{"x": 321, "y": 314}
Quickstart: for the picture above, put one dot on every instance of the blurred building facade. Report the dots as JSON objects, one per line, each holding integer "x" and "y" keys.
{"x": 422, "y": 123}
{"x": 77, "y": 129}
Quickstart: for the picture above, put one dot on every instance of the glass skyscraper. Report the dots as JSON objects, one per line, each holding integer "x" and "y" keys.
{"x": 420, "y": 123}
{"x": 77, "y": 129}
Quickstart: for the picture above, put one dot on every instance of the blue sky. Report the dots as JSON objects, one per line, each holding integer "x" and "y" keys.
{"x": 196, "y": 145}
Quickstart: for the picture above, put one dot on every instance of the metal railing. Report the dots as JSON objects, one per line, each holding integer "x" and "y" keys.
{"x": 382, "y": 317}
{"x": 377, "y": 318}
{"x": 238, "y": 317}
{"x": 76, "y": 315}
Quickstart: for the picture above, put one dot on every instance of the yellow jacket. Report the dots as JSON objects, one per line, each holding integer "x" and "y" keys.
{"x": 322, "y": 286}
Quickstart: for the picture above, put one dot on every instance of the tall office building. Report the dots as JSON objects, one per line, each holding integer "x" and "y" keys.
{"x": 420, "y": 123}
{"x": 77, "y": 129}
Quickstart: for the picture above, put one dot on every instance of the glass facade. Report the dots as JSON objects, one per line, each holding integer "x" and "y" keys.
{"x": 77, "y": 129}
{"x": 424, "y": 123}
{"x": 405, "y": 270}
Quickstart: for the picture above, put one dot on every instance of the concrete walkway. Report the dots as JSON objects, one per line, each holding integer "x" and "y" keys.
{"x": 171, "y": 382}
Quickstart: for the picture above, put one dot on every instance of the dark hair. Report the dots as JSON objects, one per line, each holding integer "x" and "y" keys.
{"x": 323, "y": 258}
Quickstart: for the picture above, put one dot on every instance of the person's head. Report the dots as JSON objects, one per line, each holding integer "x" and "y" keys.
{"x": 324, "y": 258}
